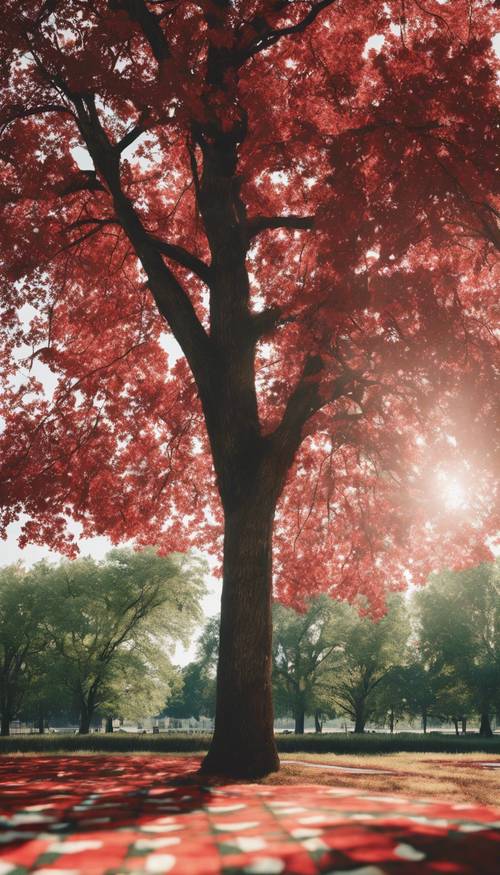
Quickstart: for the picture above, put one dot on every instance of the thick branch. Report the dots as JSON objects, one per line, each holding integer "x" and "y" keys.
{"x": 149, "y": 24}
{"x": 264, "y": 41}
{"x": 305, "y": 400}
{"x": 20, "y": 112}
{"x": 170, "y": 297}
{"x": 184, "y": 258}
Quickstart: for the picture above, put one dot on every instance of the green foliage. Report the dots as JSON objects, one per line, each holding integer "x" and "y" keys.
{"x": 459, "y": 620}
{"x": 195, "y": 692}
{"x": 306, "y": 648}
{"x": 22, "y": 638}
{"x": 100, "y": 633}
{"x": 371, "y": 651}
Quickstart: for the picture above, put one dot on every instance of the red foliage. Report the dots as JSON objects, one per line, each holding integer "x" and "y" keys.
{"x": 383, "y": 162}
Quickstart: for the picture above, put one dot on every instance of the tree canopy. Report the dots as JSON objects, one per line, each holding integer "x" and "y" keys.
{"x": 364, "y": 178}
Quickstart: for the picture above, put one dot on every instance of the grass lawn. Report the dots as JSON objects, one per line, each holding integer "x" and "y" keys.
{"x": 427, "y": 775}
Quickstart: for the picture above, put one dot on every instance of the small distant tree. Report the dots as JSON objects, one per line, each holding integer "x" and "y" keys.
{"x": 104, "y": 617}
{"x": 459, "y": 615}
{"x": 194, "y": 695}
{"x": 21, "y": 638}
{"x": 306, "y": 647}
{"x": 391, "y": 698}
{"x": 372, "y": 649}
{"x": 421, "y": 682}
{"x": 455, "y": 703}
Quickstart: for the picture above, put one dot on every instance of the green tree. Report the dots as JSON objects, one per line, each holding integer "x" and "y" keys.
{"x": 421, "y": 682}
{"x": 22, "y": 606}
{"x": 306, "y": 647}
{"x": 195, "y": 695}
{"x": 390, "y": 702}
{"x": 112, "y": 619}
{"x": 459, "y": 617}
{"x": 372, "y": 649}
{"x": 141, "y": 678}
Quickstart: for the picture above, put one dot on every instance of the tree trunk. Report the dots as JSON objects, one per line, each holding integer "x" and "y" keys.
{"x": 5, "y": 725}
{"x": 455, "y": 724}
{"x": 424, "y": 722}
{"x": 318, "y": 723}
{"x": 85, "y": 717}
{"x": 243, "y": 743}
{"x": 41, "y": 722}
{"x": 391, "y": 721}
{"x": 299, "y": 721}
{"x": 109, "y": 724}
{"x": 485, "y": 730}
{"x": 360, "y": 721}
{"x": 464, "y": 725}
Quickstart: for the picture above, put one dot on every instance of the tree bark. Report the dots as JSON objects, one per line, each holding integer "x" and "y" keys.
{"x": 299, "y": 721}
{"x": 243, "y": 743}
{"x": 485, "y": 730}
{"x": 109, "y": 724}
{"x": 391, "y": 722}
{"x": 464, "y": 725}
{"x": 318, "y": 723}
{"x": 5, "y": 725}
{"x": 455, "y": 724}
{"x": 41, "y": 722}
{"x": 359, "y": 723}
{"x": 85, "y": 717}
{"x": 424, "y": 723}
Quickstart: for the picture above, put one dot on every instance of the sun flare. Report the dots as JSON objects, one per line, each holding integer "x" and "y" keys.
{"x": 453, "y": 492}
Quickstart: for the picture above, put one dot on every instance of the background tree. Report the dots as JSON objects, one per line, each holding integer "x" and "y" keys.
{"x": 107, "y": 619}
{"x": 313, "y": 221}
{"x": 391, "y": 699}
{"x": 370, "y": 653}
{"x": 21, "y": 638}
{"x": 459, "y": 616}
{"x": 421, "y": 680}
{"x": 305, "y": 651}
{"x": 194, "y": 695}
{"x": 141, "y": 678}
{"x": 47, "y": 697}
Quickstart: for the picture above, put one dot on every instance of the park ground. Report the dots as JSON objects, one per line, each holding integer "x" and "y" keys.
{"x": 141, "y": 813}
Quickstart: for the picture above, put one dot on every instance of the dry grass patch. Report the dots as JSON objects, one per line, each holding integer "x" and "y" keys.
{"x": 431, "y": 775}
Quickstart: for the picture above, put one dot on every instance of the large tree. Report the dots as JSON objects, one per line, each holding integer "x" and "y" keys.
{"x": 106, "y": 620}
{"x": 301, "y": 193}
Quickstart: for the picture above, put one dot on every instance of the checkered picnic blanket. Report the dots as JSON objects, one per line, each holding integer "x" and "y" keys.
{"x": 108, "y": 815}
